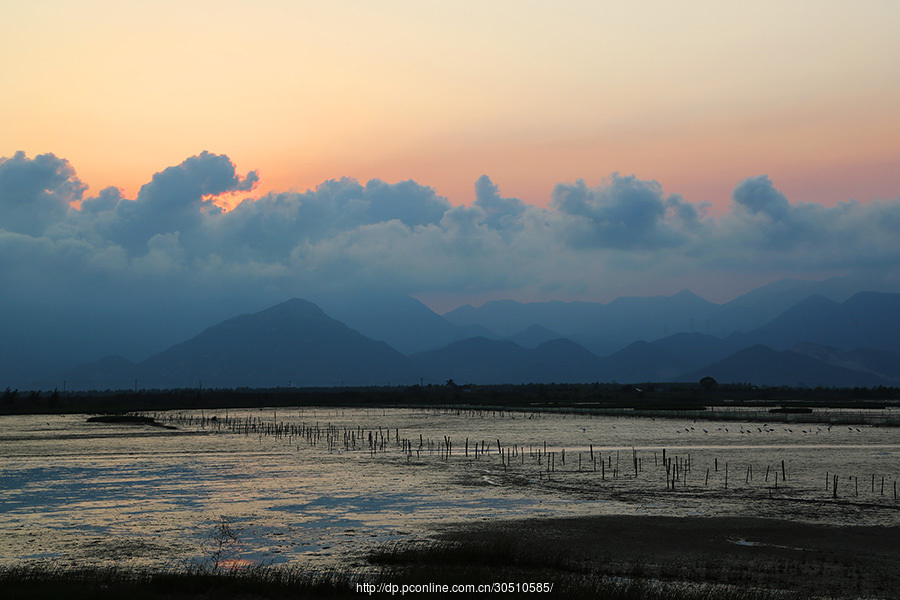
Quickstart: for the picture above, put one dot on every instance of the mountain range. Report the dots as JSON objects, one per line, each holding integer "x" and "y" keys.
{"x": 389, "y": 340}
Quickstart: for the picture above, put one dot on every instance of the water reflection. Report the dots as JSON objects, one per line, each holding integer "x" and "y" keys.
{"x": 88, "y": 493}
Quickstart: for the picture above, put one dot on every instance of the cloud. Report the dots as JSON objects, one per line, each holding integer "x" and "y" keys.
{"x": 758, "y": 196}
{"x": 766, "y": 229}
{"x": 404, "y": 233}
{"x": 35, "y": 193}
{"x": 408, "y": 202}
{"x": 622, "y": 213}
{"x": 780, "y": 224}
{"x": 105, "y": 201}
{"x": 173, "y": 201}
{"x": 170, "y": 256}
{"x": 270, "y": 227}
{"x": 499, "y": 212}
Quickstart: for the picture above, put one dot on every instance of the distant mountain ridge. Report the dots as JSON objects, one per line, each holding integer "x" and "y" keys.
{"x": 401, "y": 321}
{"x": 816, "y": 341}
{"x": 293, "y": 343}
{"x": 761, "y": 365}
{"x": 481, "y": 360}
{"x": 602, "y": 328}
{"x": 867, "y": 319}
{"x": 607, "y": 328}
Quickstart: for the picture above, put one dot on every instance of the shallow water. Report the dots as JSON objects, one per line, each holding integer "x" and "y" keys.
{"x": 75, "y": 492}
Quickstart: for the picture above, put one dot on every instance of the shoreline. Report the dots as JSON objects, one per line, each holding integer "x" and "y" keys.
{"x": 636, "y": 557}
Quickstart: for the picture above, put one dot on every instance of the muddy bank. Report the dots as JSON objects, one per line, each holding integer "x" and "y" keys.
{"x": 811, "y": 559}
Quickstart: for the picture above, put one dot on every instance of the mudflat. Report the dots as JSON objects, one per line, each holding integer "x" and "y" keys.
{"x": 810, "y": 559}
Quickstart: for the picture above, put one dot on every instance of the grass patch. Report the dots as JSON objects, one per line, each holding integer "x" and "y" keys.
{"x": 39, "y": 582}
{"x": 662, "y": 557}
{"x": 511, "y": 558}
{"x": 42, "y": 582}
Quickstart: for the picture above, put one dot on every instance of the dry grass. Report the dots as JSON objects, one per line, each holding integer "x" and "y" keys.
{"x": 734, "y": 553}
{"x": 612, "y": 558}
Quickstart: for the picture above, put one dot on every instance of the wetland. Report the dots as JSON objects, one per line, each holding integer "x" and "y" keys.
{"x": 353, "y": 489}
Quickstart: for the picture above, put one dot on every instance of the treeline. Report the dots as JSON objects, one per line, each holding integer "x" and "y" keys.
{"x": 658, "y": 396}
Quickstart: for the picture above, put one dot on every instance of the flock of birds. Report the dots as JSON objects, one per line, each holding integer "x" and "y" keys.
{"x": 765, "y": 429}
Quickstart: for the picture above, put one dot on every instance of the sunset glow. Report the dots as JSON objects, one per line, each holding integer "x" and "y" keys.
{"x": 696, "y": 96}
{"x": 168, "y": 166}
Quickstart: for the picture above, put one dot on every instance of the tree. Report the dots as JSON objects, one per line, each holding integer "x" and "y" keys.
{"x": 10, "y": 396}
{"x": 708, "y": 383}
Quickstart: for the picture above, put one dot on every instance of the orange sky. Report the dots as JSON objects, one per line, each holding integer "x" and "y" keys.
{"x": 696, "y": 95}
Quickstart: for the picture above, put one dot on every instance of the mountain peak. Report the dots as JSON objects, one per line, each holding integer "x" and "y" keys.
{"x": 686, "y": 293}
{"x": 291, "y": 343}
{"x": 295, "y": 306}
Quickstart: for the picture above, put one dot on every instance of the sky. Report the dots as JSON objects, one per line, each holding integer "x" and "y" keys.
{"x": 695, "y": 95}
{"x": 228, "y": 155}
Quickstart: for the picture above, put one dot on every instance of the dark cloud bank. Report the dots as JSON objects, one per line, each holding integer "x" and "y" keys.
{"x": 131, "y": 275}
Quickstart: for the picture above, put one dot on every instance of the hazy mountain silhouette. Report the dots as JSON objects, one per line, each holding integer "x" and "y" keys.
{"x": 817, "y": 341}
{"x": 49, "y": 342}
{"x": 761, "y": 365}
{"x": 402, "y": 322}
{"x": 642, "y": 361}
{"x": 562, "y": 361}
{"x": 868, "y": 320}
{"x": 761, "y": 305}
{"x": 475, "y": 360}
{"x": 110, "y": 372}
{"x": 470, "y": 331}
{"x": 860, "y": 337}
{"x": 508, "y": 317}
{"x": 293, "y": 343}
{"x": 607, "y": 328}
{"x": 696, "y": 349}
{"x": 883, "y": 363}
{"x": 601, "y": 328}
{"x": 534, "y": 336}
{"x": 483, "y": 361}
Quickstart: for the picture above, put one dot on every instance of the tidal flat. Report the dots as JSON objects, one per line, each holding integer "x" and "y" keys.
{"x": 327, "y": 489}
